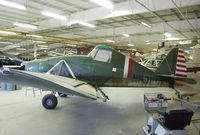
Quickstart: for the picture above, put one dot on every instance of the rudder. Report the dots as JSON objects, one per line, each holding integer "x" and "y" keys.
{"x": 174, "y": 64}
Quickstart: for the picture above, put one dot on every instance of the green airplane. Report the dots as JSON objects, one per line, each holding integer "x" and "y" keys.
{"x": 103, "y": 66}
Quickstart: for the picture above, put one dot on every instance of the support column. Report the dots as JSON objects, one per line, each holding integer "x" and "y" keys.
{"x": 35, "y": 51}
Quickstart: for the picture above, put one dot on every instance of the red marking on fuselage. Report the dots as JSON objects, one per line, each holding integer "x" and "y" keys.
{"x": 130, "y": 68}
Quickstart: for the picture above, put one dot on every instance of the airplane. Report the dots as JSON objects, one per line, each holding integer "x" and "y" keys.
{"x": 8, "y": 61}
{"x": 103, "y": 66}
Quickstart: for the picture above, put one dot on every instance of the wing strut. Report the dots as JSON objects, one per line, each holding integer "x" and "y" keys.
{"x": 66, "y": 64}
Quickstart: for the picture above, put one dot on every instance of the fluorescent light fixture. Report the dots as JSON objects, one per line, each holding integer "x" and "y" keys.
{"x": 21, "y": 49}
{"x": 24, "y": 25}
{"x": 154, "y": 49}
{"x": 110, "y": 41}
{"x": 5, "y": 42}
{"x": 126, "y": 35}
{"x": 131, "y": 45}
{"x": 12, "y": 5}
{"x": 43, "y": 46}
{"x": 7, "y": 32}
{"x": 87, "y": 24}
{"x": 145, "y": 24}
{"x": 12, "y": 46}
{"x": 147, "y": 41}
{"x": 104, "y": 3}
{"x": 35, "y": 36}
{"x": 54, "y": 15}
{"x": 167, "y": 35}
{"x": 42, "y": 42}
{"x": 119, "y": 13}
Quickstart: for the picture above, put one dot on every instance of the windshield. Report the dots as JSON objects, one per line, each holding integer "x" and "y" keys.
{"x": 93, "y": 52}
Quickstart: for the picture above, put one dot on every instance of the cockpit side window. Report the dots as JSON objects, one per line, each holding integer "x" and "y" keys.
{"x": 103, "y": 55}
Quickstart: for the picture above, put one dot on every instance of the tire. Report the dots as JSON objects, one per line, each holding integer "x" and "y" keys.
{"x": 49, "y": 101}
{"x": 62, "y": 95}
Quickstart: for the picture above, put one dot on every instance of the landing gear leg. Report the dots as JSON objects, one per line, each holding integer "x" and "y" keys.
{"x": 49, "y": 101}
{"x": 105, "y": 97}
{"x": 62, "y": 94}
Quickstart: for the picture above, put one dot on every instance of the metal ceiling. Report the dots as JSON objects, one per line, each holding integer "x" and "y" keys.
{"x": 180, "y": 18}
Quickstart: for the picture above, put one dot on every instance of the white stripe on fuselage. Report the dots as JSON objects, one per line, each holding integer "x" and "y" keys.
{"x": 126, "y": 64}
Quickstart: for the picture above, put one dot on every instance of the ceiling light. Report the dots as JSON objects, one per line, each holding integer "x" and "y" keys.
{"x": 7, "y": 32}
{"x": 145, "y": 24}
{"x": 126, "y": 35}
{"x": 54, "y": 15}
{"x": 35, "y": 36}
{"x": 12, "y": 4}
{"x": 119, "y": 13}
{"x": 6, "y": 42}
{"x": 24, "y": 25}
{"x": 154, "y": 49}
{"x": 87, "y": 24}
{"x": 110, "y": 41}
{"x": 13, "y": 46}
{"x": 21, "y": 49}
{"x": 167, "y": 34}
{"x": 104, "y": 3}
{"x": 42, "y": 45}
{"x": 43, "y": 42}
{"x": 147, "y": 42}
{"x": 131, "y": 45}
{"x": 44, "y": 48}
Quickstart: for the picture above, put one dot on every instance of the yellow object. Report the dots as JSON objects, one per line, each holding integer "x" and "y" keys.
{"x": 174, "y": 97}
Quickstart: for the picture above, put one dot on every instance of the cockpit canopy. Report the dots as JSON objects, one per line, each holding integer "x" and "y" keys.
{"x": 101, "y": 53}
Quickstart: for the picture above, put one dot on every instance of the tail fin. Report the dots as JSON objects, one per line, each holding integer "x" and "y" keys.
{"x": 174, "y": 64}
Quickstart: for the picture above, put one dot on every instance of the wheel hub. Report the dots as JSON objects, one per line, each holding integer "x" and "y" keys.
{"x": 49, "y": 102}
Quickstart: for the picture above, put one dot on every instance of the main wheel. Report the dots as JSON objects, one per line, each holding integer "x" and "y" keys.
{"x": 49, "y": 101}
{"x": 62, "y": 94}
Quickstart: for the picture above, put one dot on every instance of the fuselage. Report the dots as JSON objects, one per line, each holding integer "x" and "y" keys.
{"x": 103, "y": 65}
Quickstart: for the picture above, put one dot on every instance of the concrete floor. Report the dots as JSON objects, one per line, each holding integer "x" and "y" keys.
{"x": 124, "y": 114}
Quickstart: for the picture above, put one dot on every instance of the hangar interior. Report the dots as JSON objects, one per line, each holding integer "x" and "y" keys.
{"x": 141, "y": 32}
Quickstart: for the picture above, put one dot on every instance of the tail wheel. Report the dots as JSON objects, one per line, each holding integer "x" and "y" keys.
{"x": 49, "y": 101}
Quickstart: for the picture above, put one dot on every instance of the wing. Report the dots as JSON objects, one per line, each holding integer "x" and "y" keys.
{"x": 49, "y": 82}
